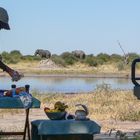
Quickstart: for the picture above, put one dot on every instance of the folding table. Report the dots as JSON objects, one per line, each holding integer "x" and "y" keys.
{"x": 15, "y": 103}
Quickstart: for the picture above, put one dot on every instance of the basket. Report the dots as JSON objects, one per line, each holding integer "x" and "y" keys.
{"x": 56, "y": 115}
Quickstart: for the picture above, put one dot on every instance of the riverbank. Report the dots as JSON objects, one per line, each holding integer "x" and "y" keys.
{"x": 76, "y": 70}
{"x": 74, "y": 75}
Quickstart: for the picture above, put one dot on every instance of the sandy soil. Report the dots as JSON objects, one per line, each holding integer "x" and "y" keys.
{"x": 15, "y": 122}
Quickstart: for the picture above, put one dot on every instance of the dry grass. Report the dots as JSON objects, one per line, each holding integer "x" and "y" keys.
{"x": 78, "y": 68}
{"x": 103, "y": 104}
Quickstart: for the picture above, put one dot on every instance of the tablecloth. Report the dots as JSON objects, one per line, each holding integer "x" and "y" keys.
{"x": 56, "y": 127}
{"x": 10, "y": 102}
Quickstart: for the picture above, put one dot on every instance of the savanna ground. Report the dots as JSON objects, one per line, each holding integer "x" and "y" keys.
{"x": 113, "y": 109}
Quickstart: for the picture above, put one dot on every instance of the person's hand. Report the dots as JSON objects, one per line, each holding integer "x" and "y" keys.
{"x": 15, "y": 75}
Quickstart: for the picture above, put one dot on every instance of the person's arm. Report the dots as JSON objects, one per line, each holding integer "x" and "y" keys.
{"x": 3, "y": 66}
{"x": 14, "y": 74}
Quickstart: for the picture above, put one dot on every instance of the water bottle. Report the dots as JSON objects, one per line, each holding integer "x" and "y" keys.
{"x": 1, "y": 93}
{"x": 26, "y": 98}
{"x": 13, "y": 88}
{"x": 27, "y": 88}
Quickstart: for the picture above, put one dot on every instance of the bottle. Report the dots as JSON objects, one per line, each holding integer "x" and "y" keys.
{"x": 26, "y": 98}
{"x": 27, "y": 87}
{"x": 1, "y": 93}
{"x": 13, "y": 88}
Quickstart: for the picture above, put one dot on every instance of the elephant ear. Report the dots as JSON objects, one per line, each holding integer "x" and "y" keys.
{"x": 36, "y": 52}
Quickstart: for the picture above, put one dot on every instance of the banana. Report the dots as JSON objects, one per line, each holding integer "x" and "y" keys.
{"x": 58, "y": 107}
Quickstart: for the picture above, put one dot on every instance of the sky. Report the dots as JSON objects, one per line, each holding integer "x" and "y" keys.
{"x": 93, "y": 26}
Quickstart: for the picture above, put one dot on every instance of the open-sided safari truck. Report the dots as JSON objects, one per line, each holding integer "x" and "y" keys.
{"x": 135, "y": 78}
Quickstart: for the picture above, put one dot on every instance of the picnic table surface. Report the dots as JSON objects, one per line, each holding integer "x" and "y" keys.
{"x": 60, "y": 127}
{"x": 15, "y": 102}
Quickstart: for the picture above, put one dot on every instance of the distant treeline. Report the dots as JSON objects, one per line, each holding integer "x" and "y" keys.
{"x": 67, "y": 58}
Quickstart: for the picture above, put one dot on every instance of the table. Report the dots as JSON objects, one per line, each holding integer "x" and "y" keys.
{"x": 15, "y": 103}
{"x": 64, "y": 129}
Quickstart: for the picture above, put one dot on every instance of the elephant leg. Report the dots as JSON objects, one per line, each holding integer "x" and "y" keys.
{"x": 81, "y": 56}
{"x": 41, "y": 55}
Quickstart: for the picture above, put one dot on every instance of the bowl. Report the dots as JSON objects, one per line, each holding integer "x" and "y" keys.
{"x": 56, "y": 115}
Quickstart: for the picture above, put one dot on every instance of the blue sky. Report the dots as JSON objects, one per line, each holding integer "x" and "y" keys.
{"x": 65, "y": 25}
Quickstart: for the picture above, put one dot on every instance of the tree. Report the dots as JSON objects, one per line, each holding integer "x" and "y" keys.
{"x": 16, "y": 52}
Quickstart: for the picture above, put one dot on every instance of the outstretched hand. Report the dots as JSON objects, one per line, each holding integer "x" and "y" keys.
{"x": 15, "y": 75}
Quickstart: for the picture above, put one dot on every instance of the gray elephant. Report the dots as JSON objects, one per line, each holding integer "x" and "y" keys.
{"x": 43, "y": 53}
{"x": 0, "y": 57}
{"x": 79, "y": 54}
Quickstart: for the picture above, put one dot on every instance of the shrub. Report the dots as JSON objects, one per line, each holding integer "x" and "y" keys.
{"x": 115, "y": 58}
{"x": 9, "y": 58}
{"x": 16, "y": 52}
{"x": 58, "y": 60}
{"x": 133, "y": 56}
{"x": 91, "y": 61}
{"x": 12, "y": 57}
{"x": 103, "y": 57}
{"x": 120, "y": 66}
{"x": 5, "y": 56}
{"x": 65, "y": 55}
{"x": 30, "y": 58}
{"x": 69, "y": 58}
{"x": 13, "y": 60}
{"x": 100, "y": 62}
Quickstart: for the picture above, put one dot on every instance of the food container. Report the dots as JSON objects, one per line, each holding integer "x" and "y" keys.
{"x": 56, "y": 115}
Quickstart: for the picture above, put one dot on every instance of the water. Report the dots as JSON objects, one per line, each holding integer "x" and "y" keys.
{"x": 65, "y": 84}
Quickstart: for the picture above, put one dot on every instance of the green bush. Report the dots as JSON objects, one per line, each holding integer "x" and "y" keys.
{"x": 5, "y": 56}
{"x": 13, "y": 60}
{"x": 69, "y": 58}
{"x": 120, "y": 66}
{"x": 30, "y": 58}
{"x": 133, "y": 56}
{"x": 103, "y": 57}
{"x": 65, "y": 55}
{"x": 115, "y": 58}
{"x": 15, "y": 56}
{"x": 58, "y": 60}
{"x": 100, "y": 61}
{"x": 9, "y": 58}
{"x": 16, "y": 53}
{"x": 91, "y": 61}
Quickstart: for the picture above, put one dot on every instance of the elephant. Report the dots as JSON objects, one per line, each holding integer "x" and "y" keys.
{"x": 79, "y": 54}
{"x": 0, "y": 58}
{"x": 43, "y": 53}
